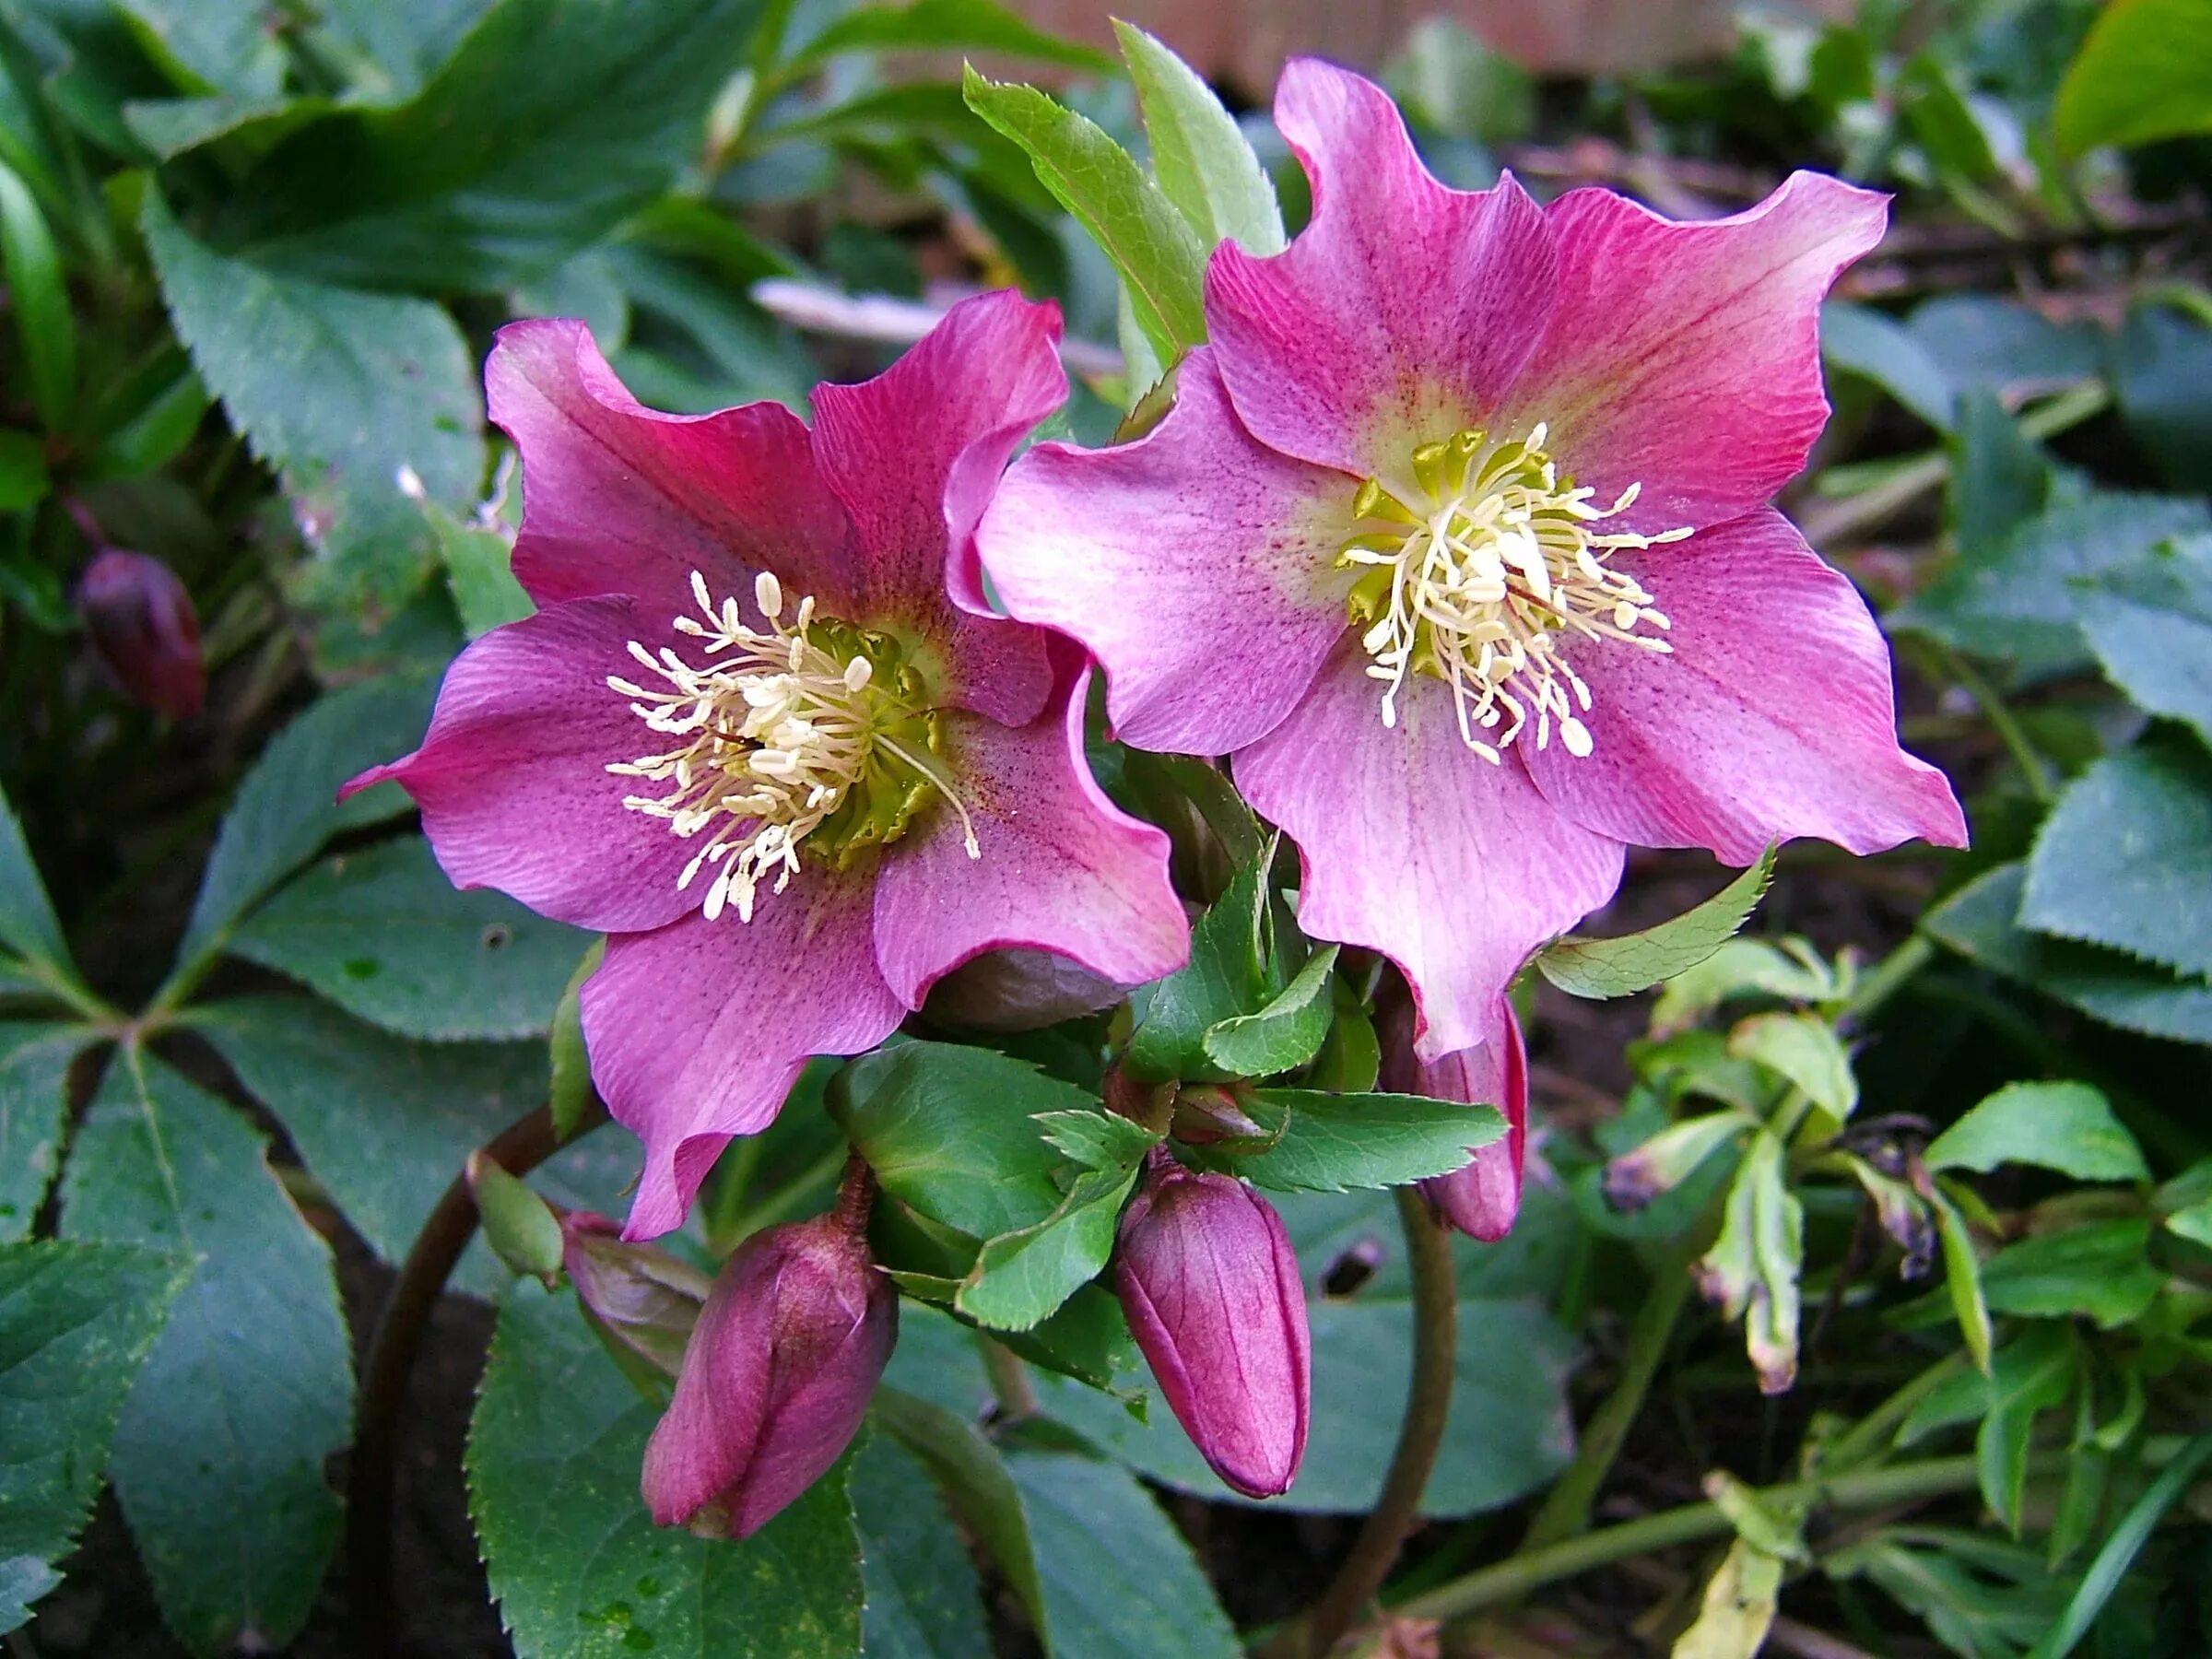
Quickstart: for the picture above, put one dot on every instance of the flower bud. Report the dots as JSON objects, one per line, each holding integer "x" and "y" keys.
{"x": 1482, "y": 1198}
{"x": 140, "y": 621}
{"x": 642, "y": 1300}
{"x": 1017, "y": 990}
{"x": 776, "y": 1379}
{"x": 1205, "y": 1113}
{"x": 1212, "y": 1292}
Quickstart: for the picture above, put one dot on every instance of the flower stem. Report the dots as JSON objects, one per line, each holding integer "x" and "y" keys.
{"x": 371, "y": 1481}
{"x": 1428, "y": 1402}
{"x": 2007, "y": 725}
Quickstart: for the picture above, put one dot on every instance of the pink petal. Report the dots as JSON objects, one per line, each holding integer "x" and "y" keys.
{"x": 1062, "y": 870}
{"x": 1196, "y": 564}
{"x": 1686, "y": 356}
{"x": 1771, "y": 717}
{"x": 513, "y": 782}
{"x": 1413, "y": 845}
{"x": 914, "y": 455}
{"x": 1402, "y": 313}
{"x": 619, "y": 498}
{"x": 1483, "y": 1199}
{"x": 698, "y": 1030}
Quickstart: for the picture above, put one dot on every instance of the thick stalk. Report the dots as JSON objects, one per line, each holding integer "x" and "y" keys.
{"x": 1420, "y": 1433}
{"x": 371, "y": 1481}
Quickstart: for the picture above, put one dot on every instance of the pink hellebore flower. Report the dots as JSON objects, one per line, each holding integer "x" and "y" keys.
{"x": 1483, "y": 1198}
{"x": 749, "y": 737}
{"x": 1457, "y": 539}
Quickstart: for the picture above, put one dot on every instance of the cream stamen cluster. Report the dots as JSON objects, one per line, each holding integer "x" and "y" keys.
{"x": 1483, "y": 575}
{"x": 778, "y": 734}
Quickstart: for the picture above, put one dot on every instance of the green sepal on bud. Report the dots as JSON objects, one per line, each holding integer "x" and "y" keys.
{"x": 520, "y": 1227}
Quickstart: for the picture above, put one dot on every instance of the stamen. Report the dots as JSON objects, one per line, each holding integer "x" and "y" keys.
{"x": 1489, "y": 581}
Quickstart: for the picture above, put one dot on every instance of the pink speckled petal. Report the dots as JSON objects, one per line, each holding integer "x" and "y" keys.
{"x": 1686, "y": 356}
{"x": 1063, "y": 870}
{"x": 1483, "y": 1199}
{"x": 1196, "y": 564}
{"x": 1400, "y": 314}
{"x": 1413, "y": 845}
{"x": 698, "y": 1030}
{"x": 1771, "y": 717}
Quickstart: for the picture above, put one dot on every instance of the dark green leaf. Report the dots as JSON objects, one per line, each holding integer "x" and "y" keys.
{"x": 405, "y": 41}
{"x": 1286, "y": 1033}
{"x": 2150, "y": 625}
{"x": 478, "y": 573}
{"x": 249, "y": 1389}
{"x": 577, "y": 1564}
{"x": 1200, "y": 156}
{"x": 75, "y": 1321}
{"x": 2120, "y": 1550}
{"x": 922, "y": 1599}
{"x": 967, "y": 1469}
{"x": 1156, "y": 252}
{"x": 572, "y": 1090}
{"x": 1865, "y": 342}
{"x": 1984, "y": 340}
{"x": 213, "y": 45}
{"x": 24, "y": 479}
{"x": 2124, "y": 860}
{"x": 1118, "y": 1580}
{"x": 1327, "y": 1143}
{"x": 155, "y": 433}
{"x": 1225, "y": 977}
{"x": 2102, "y": 1271}
{"x": 1978, "y": 922}
{"x": 2064, "y": 1126}
{"x": 944, "y": 26}
{"x": 1351, "y": 1060}
{"x": 34, "y": 1103}
{"x": 384, "y": 935}
{"x": 337, "y": 391}
{"x": 2145, "y": 73}
{"x": 287, "y": 806}
{"x": 26, "y": 921}
{"x": 1636, "y": 962}
{"x": 1962, "y": 1278}
{"x": 2000, "y": 478}
{"x": 2028, "y": 1376}
{"x": 2162, "y": 376}
{"x": 39, "y": 292}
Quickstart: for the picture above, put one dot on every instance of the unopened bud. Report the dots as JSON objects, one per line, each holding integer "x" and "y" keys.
{"x": 141, "y": 624}
{"x": 1482, "y": 1198}
{"x": 1212, "y": 1292}
{"x": 642, "y": 1300}
{"x": 1205, "y": 1113}
{"x": 775, "y": 1382}
{"x": 520, "y": 1227}
{"x": 1017, "y": 990}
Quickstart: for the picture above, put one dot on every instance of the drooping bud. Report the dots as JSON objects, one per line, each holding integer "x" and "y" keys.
{"x": 1205, "y": 1113}
{"x": 776, "y": 1379}
{"x": 143, "y": 629}
{"x": 1212, "y": 1292}
{"x": 642, "y": 1300}
{"x": 1018, "y": 990}
{"x": 1663, "y": 1162}
{"x": 1482, "y": 1198}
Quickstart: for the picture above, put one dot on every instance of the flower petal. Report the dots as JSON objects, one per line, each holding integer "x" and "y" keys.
{"x": 698, "y": 1030}
{"x": 914, "y": 455}
{"x": 1196, "y": 564}
{"x": 619, "y": 498}
{"x": 1771, "y": 717}
{"x": 1401, "y": 313}
{"x": 1062, "y": 870}
{"x": 1686, "y": 356}
{"x": 511, "y": 776}
{"x": 1482, "y": 1199}
{"x": 1415, "y": 846}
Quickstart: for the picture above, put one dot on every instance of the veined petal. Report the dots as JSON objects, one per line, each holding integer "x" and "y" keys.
{"x": 1400, "y": 314}
{"x": 1413, "y": 845}
{"x": 511, "y": 776}
{"x": 619, "y": 498}
{"x": 1771, "y": 717}
{"x": 1686, "y": 358}
{"x": 1196, "y": 564}
{"x": 698, "y": 1030}
{"x": 914, "y": 455}
{"x": 1483, "y": 1199}
{"x": 1062, "y": 869}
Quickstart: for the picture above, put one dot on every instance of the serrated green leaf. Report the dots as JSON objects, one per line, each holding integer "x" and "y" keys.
{"x": 2000, "y": 478}
{"x": 1327, "y": 1143}
{"x": 1962, "y": 1278}
{"x": 1286, "y": 1033}
{"x": 1225, "y": 977}
{"x": 1804, "y": 1049}
{"x": 75, "y": 1323}
{"x": 1147, "y": 241}
{"x": 1620, "y": 967}
{"x": 969, "y": 1472}
{"x": 39, "y": 289}
{"x": 1202, "y": 160}
{"x": 2028, "y": 1376}
{"x": 28, "y": 924}
{"x": 577, "y": 1564}
{"x": 287, "y": 807}
{"x": 249, "y": 1389}
{"x": 34, "y": 1104}
{"x": 478, "y": 573}
{"x": 2145, "y": 73}
{"x": 2102, "y": 1271}
{"x": 2150, "y": 625}
{"x": 337, "y": 391}
{"x": 1020, "y": 1278}
{"x": 2064, "y": 1126}
{"x": 1977, "y": 921}
{"x": 1097, "y": 1140}
{"x": 922, "y": 1600}
{"x": 2124, "y": 860}
{"x": 384, "y": 934}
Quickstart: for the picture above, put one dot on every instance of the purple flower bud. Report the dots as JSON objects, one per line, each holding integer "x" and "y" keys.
{"x": 642, "y": 1300}
{"x": 775, "y": 1380}
{"x": 1212, "y": 1291}
{"x": 1482, "y": 1198}
{"x": 141, "y": 624}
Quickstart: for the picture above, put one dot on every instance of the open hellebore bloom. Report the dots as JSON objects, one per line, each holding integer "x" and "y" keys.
{"x": 1457, "y": 539}
{"x": 1482, "y": 1198}
{"x": 778, "y": 1375}
{"x": 748, "y": 735}
{"x": 1212, "y": 1295}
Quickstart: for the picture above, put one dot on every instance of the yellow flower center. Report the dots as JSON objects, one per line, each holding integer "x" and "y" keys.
{"x": 816, "y": 733}
{"x": 1487, "y": 574}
